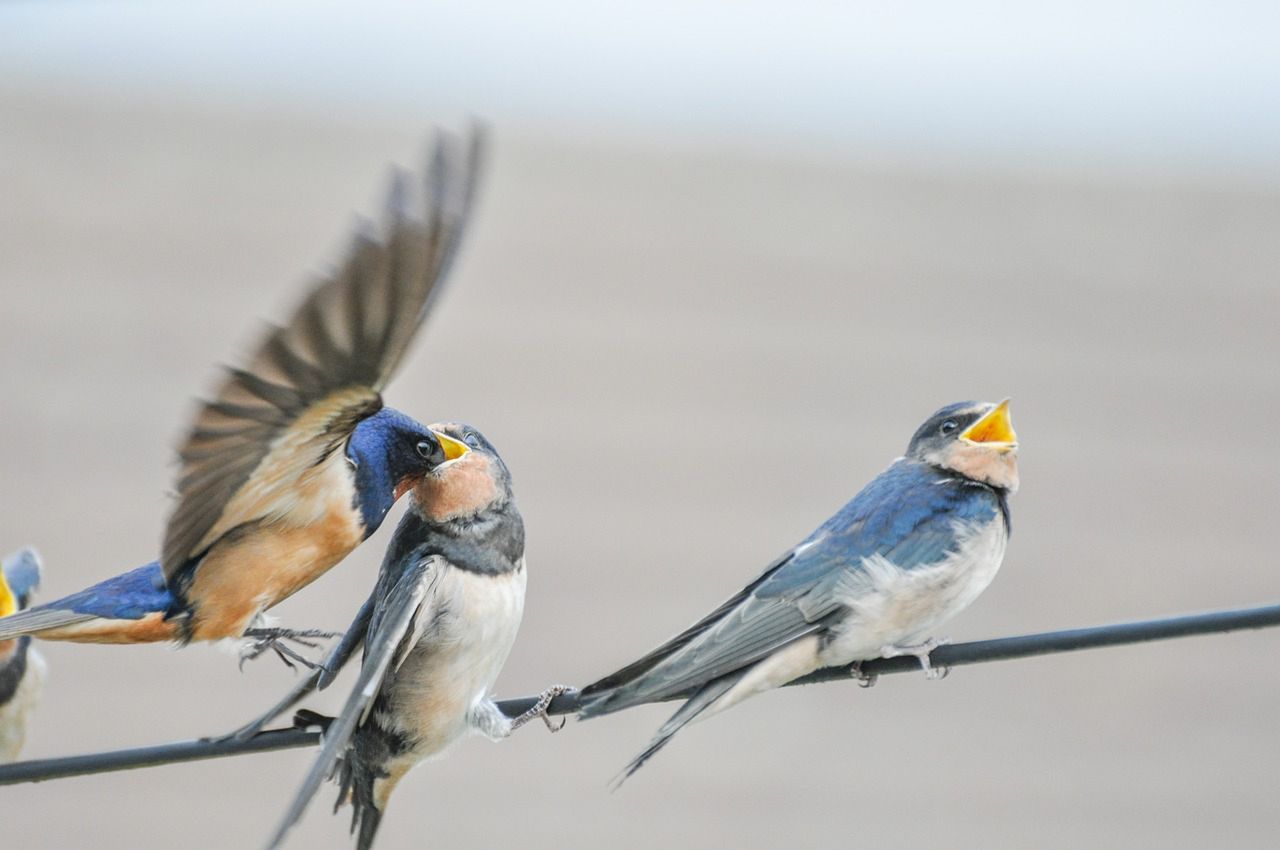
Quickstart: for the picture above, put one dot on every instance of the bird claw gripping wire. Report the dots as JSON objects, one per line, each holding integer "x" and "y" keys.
{"x": 864, "y": 680}
{"x": 920, "y": 651}
{"x": 262, "y": 640}
{"x": 539, "y": 709}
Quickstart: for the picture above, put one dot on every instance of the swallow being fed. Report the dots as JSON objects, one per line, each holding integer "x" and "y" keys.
{"x": 444, "y": 616}
{"x": 22, "y": 669}
{"x": 913, "y": 549}
{"x": 295, "y": 460}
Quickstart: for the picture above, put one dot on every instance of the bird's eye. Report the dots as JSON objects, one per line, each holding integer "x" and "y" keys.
{"x": 949, "y": 426}
{"x": 472, "y": 440}
{"x": 425, "y": 449}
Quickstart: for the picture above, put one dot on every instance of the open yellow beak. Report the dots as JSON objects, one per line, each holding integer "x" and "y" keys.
{"x": 8, "y": 602}
{"x": 453, "y": 449}
{"x": 993, "y": 431}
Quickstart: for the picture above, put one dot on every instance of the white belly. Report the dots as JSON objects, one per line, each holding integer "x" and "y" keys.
{"x": 451, "y": 671}
{"x": 15, "y": 713}
{"x": 889, "y": 606}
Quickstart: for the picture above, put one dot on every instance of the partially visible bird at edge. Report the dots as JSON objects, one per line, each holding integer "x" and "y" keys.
{"x": 22, "y": 670}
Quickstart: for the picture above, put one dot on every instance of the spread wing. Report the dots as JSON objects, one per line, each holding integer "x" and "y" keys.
{"x": 405, "y": 612}
{"x": 901, "y": 521}
{"x": 311, "y": 381}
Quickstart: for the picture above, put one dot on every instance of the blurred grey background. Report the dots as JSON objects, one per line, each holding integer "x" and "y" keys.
{"x": 727, "y": 257}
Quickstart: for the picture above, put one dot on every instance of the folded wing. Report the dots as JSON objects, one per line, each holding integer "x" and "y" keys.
{"x": 399, "y": 619}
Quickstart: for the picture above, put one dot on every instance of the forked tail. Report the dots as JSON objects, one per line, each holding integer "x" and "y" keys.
{"x": 694, "y": 706}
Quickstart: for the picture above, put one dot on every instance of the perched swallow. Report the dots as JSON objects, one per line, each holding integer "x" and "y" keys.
{"x": 21, "y": 667}
{"x": 913, "y": 549}
{"x": 296, "y": 460}
{"x": 444, "y": 616}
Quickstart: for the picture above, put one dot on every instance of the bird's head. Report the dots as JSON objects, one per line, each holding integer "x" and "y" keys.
{"x": 974, "y": 439}
{"x": 389, "y": 453}
{"x": 471, "y": 481}
{"x": 19, "y": 578}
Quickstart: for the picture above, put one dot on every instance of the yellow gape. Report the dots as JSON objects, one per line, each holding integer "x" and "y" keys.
{"x": 8, "y": 602}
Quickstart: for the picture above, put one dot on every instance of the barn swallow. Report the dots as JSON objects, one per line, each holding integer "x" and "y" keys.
{"x": 445, "y": 611}
{"x": 913, "y": 549}
{"x": 22, "y": 669}
{"x": 295, "y": 461}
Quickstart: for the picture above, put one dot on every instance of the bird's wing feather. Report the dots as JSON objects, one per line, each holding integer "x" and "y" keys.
{"x": 397, "y": 619}
{"x": 666, "y": 650}
{"x": 311, "y": 381}
{"x": 901, "y": 516}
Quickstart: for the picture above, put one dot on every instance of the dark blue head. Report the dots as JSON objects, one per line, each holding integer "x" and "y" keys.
{"x": 390, "y": 452}
{"x": 973, "y": 438}
{"x": 19, "y": 578}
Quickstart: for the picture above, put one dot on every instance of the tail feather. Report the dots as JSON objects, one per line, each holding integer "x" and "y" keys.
{"x": 369, "y": 818}
{"x": 695, "y": 705}
{"x": 36, "y": 620}
{"x": 357, "y": 773}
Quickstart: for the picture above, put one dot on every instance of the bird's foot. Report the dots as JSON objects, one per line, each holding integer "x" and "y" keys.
{"x": 295, "y": 695}
{"x": 262, "y": 640}
{"x": 920, "y": 651}
{"x": 305, "y": 718}
{"x": 864, "y": 680}
{"x": 539, "y": 709}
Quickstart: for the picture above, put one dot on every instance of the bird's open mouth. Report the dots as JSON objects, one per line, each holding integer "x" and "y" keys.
{"x": 8, "y": 602}
{"x": 994, "y": 430}
{"x": 453, "y": 449}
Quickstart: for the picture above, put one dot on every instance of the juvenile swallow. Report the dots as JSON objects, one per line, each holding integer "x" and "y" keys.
{"x": 445, "y": 612}
{"x": 295, "y": 461}
{"x": 22, "y": 670}
{"x": 913, "y": 549}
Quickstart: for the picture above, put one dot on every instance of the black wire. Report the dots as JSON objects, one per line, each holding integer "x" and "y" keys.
{"x": 956, "y": 655}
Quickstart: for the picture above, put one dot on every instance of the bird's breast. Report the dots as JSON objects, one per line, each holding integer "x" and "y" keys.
{"x": 455, "y": 664}
{"x": 890, "y": 605}
{"x": 249, "y": 571}
{"x": 16, "y": 710}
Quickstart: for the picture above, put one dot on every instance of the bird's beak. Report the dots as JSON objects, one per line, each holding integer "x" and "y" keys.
{"x": 453, "y": 449}
{"x": 993, "y": 431}
{"x": 8, "y": 602}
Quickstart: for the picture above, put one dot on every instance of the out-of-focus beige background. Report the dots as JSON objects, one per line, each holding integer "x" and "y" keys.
{"x": 689, "y": 354}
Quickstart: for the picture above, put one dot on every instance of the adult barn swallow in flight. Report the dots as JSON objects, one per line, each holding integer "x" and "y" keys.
{"x": 913, "y": 549}
{"x": 21, "y": 667}
{"x": 295, "y": 461}
{"x": 445, "y": 611}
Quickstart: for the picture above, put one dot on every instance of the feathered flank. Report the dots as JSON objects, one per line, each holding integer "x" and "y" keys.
{"x": 313, "y": 380}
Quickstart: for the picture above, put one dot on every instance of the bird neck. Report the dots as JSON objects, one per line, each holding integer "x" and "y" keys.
{"x": 491, "y": 542}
